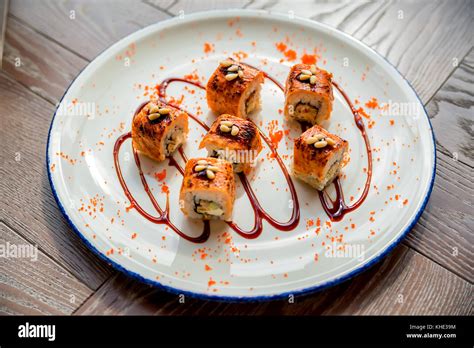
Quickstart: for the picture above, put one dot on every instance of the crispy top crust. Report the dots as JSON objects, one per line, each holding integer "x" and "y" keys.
{"x": 323, "y": 85}
{"x": 143, "y": 127}
{"x": 313, "y": 158}
{"x": 223, "y": 181}
{"x": 232, "y": 90}
{"x": 248, "y": 137}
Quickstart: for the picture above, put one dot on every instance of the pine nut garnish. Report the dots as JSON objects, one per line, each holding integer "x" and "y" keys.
{"x": 224, "y": 128}
{"x": 320, "y": 144}
{"x": 210, "y": 174}
{"x": 228, "y": 126}
{"x": 213, "y": 168}
{"x": 199, "y": 168}
{"x": 154, "y": 116}
{"x": 315, "y": 138}
{"x": 230, "y": 77}
{"x": 233, "y": 68}
{"x": 235, "y": 130}
{"x": 227, "y": 123}
{"x": 310, "y": 75}
{"x": 153, "y": 109}
{"x": 330, "y": 141}
{"x": 304, "y": 77}
{"x": 164, "y": 111}
{"x": 226, "y": 63}
{"x": 155, "y": 112}
{"x": 203, "y": 165}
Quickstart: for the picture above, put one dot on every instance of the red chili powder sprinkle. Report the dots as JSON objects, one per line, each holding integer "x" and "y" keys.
{"x": 192, "y": 77}
{"x": 392, "y": 122}
{"x": 362, "y": 112}
{"x": 208, "y": 47}
{"x": 165, "y": 188}
{"x": 207, "y": 268}
{"x": 134, "y": 235}
{"x": 372, "y": 103}
{"x": 211, "y": 282}
{"x": 309, "y": 59}
{"x": 160, "y": 176}
{"x": 289, "y": 54}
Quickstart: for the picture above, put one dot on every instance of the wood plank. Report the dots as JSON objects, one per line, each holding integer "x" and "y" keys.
{"x": 422, "y": 39}
{"x": 452, "y": 110}
{"x": 44, "y": 66}
{"x": 445, "y": 231}
{"x": 345, "y": 15}
{"x": 31, "y": 283}
{"x": 187, "y": 6}
{"x": 3, "y": 26}
{"x": 27, "y": 204}
{"x": 403, "y": 283}
{"x": 91, "y": 27}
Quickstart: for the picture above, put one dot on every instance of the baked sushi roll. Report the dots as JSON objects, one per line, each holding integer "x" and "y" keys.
{"x": 208, "y": 189}
{"x": 318, "y": 157}
{"x": 308, "y": 94}
{"x": 235, "y": 140}
{"x": 234, "y": 88}
{"x": 158, "y": 130}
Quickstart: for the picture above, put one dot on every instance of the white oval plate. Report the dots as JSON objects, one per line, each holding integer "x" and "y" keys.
{"x": 98, "y": 107}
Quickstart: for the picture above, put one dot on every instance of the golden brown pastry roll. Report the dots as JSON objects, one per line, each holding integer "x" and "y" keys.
{"x": 158, "y": 130}
{"x": 235, "y": 140}
{"x": 308, "y": 94}
{"x": 318, "y": 157}
{"x": 208, "y": 189}
{"x": 234, "y": 88}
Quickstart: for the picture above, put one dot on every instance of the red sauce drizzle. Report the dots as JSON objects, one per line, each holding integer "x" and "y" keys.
{"x": 338, "y": 207}
{"x": 259, "y": 213}
{"x": 335, "y": 212}
{"x": 163, "y": 217}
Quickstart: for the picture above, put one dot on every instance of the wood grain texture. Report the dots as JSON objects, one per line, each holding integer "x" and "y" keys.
{"x": 345, "y": 15}
{"x": 34, "y": 284}
{"x": 42, "y": 65}
{"x": 189, "y": 6}
{"x": 452, "y": 112}
{"x": 92, "y": 27}
{"x": 422, "y": 39}
{"x": 27, "y": 203}
{"x": 445, "y": 231}
{"x": 404, "y": 283}
{"x": 423, "y": 46}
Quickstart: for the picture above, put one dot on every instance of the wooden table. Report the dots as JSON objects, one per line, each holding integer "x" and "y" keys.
{"x": 48, "y": 42}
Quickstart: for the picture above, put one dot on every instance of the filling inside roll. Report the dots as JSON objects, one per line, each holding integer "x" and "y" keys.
{"x": 306, "y": 109}
{"x": 173, "y": 140}
{"x": 252, "y": 103}
{"x": 252, "y": 99}
{"x": 207, "y": 208}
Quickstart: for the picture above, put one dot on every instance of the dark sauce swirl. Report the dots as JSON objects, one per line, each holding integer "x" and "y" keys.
{"x": 336, "y": 211}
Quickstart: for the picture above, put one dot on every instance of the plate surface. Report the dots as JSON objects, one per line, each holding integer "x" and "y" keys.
{"x": 98, "y": 108}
